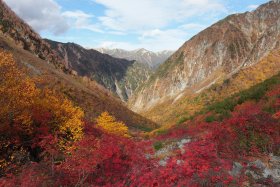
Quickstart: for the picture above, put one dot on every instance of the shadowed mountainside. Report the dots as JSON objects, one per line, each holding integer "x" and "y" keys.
{"x": 118, "y": 75}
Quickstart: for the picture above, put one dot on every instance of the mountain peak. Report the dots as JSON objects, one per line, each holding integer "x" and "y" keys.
{"x": 142, "y": 49}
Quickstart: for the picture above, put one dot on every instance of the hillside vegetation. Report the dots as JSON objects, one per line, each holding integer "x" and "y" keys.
{"x": 217, "y": 100}
{"x": 234, "y": 142}
{"x": 190, "y": 103}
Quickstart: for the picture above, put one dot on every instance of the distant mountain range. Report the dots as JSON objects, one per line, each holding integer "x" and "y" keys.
{"x": 152, "y": 59}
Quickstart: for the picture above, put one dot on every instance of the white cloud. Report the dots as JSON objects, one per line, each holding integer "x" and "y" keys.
{"x": 253, "y": 7}
{"x": 78, "y": 14}
{"x": 154, "y": 40}
{"x": 159, "y": 24}
{"x": 81, "y": 20}
{"x": 149, "y": 14}
{"x": 157, "y": 39}
{"x": 42, "y": 15}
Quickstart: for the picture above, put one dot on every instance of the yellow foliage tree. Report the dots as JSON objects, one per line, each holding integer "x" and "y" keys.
{"x": 17, "y": 93}
{"x": 108, "y": 123}
{"x": 67, "y": 118}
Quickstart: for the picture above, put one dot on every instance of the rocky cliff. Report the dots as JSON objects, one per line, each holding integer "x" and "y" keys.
{"x": 216, "y": 53}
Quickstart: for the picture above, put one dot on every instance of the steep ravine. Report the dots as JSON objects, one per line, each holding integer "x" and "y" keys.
{"x": 118, "y": 75}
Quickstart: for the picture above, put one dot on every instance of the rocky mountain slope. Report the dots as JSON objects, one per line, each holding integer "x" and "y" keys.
{"x": 234, "y": 43}
{"x": 190, "y": 103}
{"x": 14, "y": 28}
{"x": 152, "y": 59}
{"x": 120, "y": 76}
{"x": 26, "y": 46}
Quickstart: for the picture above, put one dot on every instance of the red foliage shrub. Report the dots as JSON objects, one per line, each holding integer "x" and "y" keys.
{"x": 101, "y": 159}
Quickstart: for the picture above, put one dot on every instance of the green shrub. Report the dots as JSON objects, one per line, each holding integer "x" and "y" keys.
{"x": 143, "y": 128}
{"x": 158, "y": 145}
{"x": 210, "y": 119}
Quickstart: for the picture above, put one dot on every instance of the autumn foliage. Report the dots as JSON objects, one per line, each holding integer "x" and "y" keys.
{"x": 29, "y": 115}
{"x": 44, "y": 141}
{"x": 108, "y": 123}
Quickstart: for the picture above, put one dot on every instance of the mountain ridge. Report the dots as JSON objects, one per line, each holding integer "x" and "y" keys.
{"x": 214, "y": 54}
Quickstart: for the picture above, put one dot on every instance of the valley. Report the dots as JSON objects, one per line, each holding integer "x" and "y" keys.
{"x": 207, "y": 114}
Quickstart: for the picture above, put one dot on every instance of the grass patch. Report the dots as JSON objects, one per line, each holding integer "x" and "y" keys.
{"x": 210, "y": 119}
{"x": 144, "y": 128}
{"x": 182, "y": 120}
{"x": 254, "y": 93}
{"x": 158, "y": 145}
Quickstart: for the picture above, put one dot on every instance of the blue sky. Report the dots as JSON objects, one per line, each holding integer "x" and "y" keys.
{"x": 129, "y": 24}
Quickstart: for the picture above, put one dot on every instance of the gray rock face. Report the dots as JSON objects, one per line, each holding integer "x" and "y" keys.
{"x": 169, "y": 149}
{"x": 236, "y": 169}
{"x": 264, "y": 171}
{"x": 182, "y": 143}
{"x": 234, "y": 43}
{"x": 164, "y": 161}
